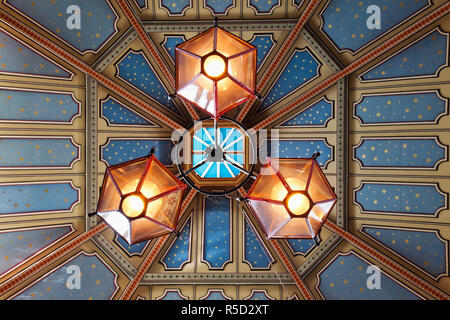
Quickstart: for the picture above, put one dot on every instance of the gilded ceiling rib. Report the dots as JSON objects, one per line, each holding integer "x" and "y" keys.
{"x": 280, "y": 55}
{"x": 133, "y": 284}
{"x": 291, "y": 269}
{"x": 131, "y": 16}
{"x": 287, "y": 263}
{"x": 58, "y": 253}
{"x": 80, "y": 65}
{"x": 422, "y": 23}
{"x": 154, "y": 252}
{"x": 393, "y": 266}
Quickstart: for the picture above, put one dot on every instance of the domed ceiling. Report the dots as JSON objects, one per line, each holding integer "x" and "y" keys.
{"x": 89, "y": 84}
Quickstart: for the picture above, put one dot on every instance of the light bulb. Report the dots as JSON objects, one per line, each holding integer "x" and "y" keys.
{"x": 214, "y": 66}
{"x": 298, "y": 203}
{"x": 133, "y": 206}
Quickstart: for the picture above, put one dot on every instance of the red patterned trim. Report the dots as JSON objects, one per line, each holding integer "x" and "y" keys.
{"x": 188, "y": 199}
{"x": 393, "y": 266}
{"x": 129, "y": 290}
{"x": 154, "y": 52}
{"x": 426, "y": 21}
{"x": 58, "y": 253}
{"x": 287, "y": 263}
{"x": 82, "y": 66}
{"x": 291, "y": 269}
{"x": 275, "y": 63}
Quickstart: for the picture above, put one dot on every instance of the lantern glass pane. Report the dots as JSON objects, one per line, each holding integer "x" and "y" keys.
{"x": 143, "y": 229}
{"x": 190, "y": 66}
{"x": 229, "y": 45}
{"x": 268, "y": 186}
{"x": 110, "y": 198}
{"x": 201, "y": 45}
{"x": 294, "y": 171}
{"x": 270, "y": 215}
{"x": 242, "y": 68}
{"x": 201, "y": 92}
{"x": 319, "y": 189}
{"x": 128, "y": 176}
{"x": 229, "y": 94}
{"x": 319, "y": 213}
{"x": 157, "y": 180}
{"x": 296, "y": 228}
{"x": 165, "y": 209}
{"x": 118, "y": 222}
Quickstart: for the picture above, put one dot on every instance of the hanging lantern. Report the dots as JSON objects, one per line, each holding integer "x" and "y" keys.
{"x": 140, "y": 199}
{"x": 215, "y": 70}
{"x": 291, "y": 198}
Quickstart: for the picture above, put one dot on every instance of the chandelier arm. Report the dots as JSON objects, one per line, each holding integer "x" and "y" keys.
{"x": 216, "y": 134}
{"x": 239, "y": 168}
{"x": 316, "y": 155}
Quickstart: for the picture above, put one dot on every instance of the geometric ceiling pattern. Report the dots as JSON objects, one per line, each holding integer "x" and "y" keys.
{"x": 366, "y": 84}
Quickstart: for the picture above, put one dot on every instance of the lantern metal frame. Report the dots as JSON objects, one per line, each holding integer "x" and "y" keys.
{"x": 291, "y": 192}
{"x": 149, "y": 158}
{"x": 251, "y": 91}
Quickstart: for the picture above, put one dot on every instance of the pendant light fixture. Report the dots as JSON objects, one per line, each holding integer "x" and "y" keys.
{"x": 291, "y": 198}
{"x": 215, "y": 70}
{"x": 140, "y": 199}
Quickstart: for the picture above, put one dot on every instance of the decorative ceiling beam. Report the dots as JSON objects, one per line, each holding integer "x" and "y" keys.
{"x": 287, "y": 263}
{"x": 422, "y": 23}
{"x": 391, "y": 265}
{"x": 229, "y": 25}
{"x": 276, "y": 62}
{"x": 82, "y": 66}
{"x": 253, "y": 278}
{"x": 153, "y": 253}
{"x": 132, "y": 285}
{"x": 44, "y": 262}
{"x": 131, "y": 16}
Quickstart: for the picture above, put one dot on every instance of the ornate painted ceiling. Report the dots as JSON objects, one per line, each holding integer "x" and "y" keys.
{"x": 372, "y": 98}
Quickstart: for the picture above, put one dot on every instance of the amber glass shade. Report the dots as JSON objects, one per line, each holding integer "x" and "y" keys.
{"x": 140, "y": 199}
{"x": 291, "y": 198}
{"x": 215, "y": 70}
